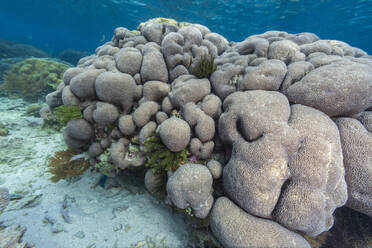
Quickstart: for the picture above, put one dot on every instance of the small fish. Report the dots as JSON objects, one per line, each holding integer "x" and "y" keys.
{"x": 103, "y": 38}
{"x": 4, "y": 199}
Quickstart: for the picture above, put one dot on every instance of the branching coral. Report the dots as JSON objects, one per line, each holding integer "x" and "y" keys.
{"x": 205, "y": 67}
{"x": 160, "y": 158}
{"x": 33, "y": 78}
{"x": 67, "y": 164}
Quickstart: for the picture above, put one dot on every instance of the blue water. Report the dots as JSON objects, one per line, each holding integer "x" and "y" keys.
{"x": 81, "y": 24}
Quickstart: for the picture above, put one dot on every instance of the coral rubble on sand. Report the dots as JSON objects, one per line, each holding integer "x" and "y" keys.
{"x": 259, "y": 117}
{"x": 76, "y": 212}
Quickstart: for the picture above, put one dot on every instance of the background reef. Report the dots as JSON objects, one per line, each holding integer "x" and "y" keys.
{"x": 33, "y": 78}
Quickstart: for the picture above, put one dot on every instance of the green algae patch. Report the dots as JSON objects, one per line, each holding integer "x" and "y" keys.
{"x": 64, "y": 114}
{"x": 205, "y": 67}
{"x": 60, "y": 116}
{"x": 33, "y": 78}
{"x": 159, "y": 158}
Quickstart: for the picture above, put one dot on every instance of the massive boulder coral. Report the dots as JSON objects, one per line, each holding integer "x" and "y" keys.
{"x": 268, "y": 75}
{"x": 187, "y": 88}
{"x": 175, "y": 133}
{"x": 78, "y": 133}
{"x": 191, "y": 186}
{"x": 262, "y": 144}
{"x": 254, "y": 132}
{"x": 298, "y": 147}
{"x": 116, "y": 88}
{"x": 153, "y": 65}
{"x": 236, "y": 228}
{"x": 342, "y": 88}
{"x": 357, "y": 149}
{"x": 128, "y": 60}
{"x": 316, "y": 186}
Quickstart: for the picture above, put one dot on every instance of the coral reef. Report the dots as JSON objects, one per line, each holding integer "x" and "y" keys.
{"x": 5, "y": 65}
{"x": 33, "y": 78}
{"x": 71, "y": 56}
{"x": 262, "y": 115}
{"x": 10, "y": 49}
{"x": 67, "y": 164}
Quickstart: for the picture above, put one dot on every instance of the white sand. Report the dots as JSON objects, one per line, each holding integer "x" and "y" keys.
{"x": 124, "y": 215}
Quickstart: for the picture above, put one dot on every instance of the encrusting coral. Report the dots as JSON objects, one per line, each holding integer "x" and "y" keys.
{"x": 33, "y": 78}
{"x": 66, "y": 164}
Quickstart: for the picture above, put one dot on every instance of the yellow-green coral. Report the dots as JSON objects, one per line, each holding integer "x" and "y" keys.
{"x": 33, "y": 78}
{"x": 104, "y": 166}
{"x": 159, "y": 158}
{"x": 67, "y": 164}
{"x": 165, "y": 20}
{"x": 34, "y": 109}
{"x": 64, "y": 114}
{"x": 205, "y": 66}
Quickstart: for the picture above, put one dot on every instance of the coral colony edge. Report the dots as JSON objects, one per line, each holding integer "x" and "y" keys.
{"x": 261, "y": 140}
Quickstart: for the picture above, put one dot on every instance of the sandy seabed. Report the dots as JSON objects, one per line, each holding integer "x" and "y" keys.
{"x": 75, "y": 213}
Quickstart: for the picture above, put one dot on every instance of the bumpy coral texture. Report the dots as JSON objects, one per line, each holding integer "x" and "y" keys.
{"x": 259, "y": 115}
{"x": 33, "y": 78}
